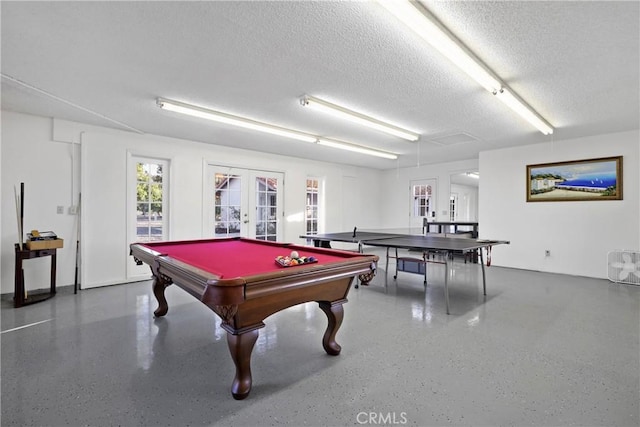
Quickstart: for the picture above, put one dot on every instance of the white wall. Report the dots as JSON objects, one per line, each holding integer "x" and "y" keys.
{"x": 467, "y": 207}
{"x": 45, "y": 155}
{"x": 578, "y": 234}
{"x": 50, "y": 172}
{"x": 46, "y": 168}
{"x": 1, "y": 187}
{"x": 395, "y": 187}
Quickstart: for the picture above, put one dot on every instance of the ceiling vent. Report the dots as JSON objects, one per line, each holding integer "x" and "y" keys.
{"x": 454, "y": 139}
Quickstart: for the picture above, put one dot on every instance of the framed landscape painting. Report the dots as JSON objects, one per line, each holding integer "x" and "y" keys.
{"x": 578, "y": 180}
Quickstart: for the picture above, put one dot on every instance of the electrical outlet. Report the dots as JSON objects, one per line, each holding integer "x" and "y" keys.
{"x": 73, "y": 210}
{"x": 547, "y": 252}
{"x": 60, "y": 209}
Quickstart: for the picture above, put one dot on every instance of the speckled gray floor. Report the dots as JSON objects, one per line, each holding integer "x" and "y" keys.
{"x": 539, "y": 350}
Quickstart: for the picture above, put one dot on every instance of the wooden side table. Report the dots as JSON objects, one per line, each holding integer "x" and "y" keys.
{"x": 19, "y": 298}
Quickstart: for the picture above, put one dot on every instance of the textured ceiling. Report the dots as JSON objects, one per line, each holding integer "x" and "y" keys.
{"x": 105, "y": 63}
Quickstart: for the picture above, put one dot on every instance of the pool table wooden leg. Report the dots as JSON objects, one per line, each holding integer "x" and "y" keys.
{"x": 335, "y": 313}
{"x": 241, "y": 346}
{"x": 160, "y": 283}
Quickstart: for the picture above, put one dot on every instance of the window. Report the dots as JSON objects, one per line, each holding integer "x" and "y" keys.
{"x": 453, "y": 201}
{"x": 150, "y": 201}
{"x": 311, "y": 207}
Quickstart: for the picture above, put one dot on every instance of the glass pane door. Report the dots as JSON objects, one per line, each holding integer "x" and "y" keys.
{"x": 228, "y": 206}
{"x": 423, "y": 199}
{"x": 266, "y": 197}
{"x": 147, "y": 205}
{"x": 149, "y": 201}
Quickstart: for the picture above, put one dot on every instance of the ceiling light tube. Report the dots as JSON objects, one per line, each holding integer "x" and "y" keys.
{"x": 355, "y": 117}
{"x": 429, "y": 28}
{"x": 217, "y": 116}
{"x": 520, "y": 107}
{"x": 355, "y": 148}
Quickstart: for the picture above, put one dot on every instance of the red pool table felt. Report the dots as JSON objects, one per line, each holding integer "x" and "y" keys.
{"x": 238, "y": 258}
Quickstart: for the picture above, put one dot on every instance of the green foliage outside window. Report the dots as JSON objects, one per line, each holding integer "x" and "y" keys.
{"x": 149, "y": 189}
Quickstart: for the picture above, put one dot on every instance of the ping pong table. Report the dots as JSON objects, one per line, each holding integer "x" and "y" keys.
{"x": 427, "y": 244}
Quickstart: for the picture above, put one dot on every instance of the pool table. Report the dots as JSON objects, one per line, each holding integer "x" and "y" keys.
{"x": 240, "y": 280}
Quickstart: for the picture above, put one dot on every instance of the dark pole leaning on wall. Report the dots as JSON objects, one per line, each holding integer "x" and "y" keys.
{"x": 75, "y": 282}
{"x": 21, "y": 213}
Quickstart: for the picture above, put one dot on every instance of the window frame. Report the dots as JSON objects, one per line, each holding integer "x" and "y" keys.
{"x": 314, "y": 207}
{"x": 134, "y": 182}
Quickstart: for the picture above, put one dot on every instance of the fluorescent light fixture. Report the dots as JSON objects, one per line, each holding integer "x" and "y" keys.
{"x": 355, "y": 148}
{"x": 475, "y": 175}
{"x": 430, "y": 29}
{"x": 427, "y": 26}
{"x": 355, "y": 117}
{"x": 217, "y": 116}
{"x": 517, "y": 105}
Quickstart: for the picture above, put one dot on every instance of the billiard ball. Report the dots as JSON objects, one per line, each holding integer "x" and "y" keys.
{"x": 294, "y": 255}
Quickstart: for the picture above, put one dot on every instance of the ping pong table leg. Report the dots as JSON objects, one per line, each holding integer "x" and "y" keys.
{"x": 484, "y": 279}
{"x": 395, "y": 276}
{"x": 386, "y": 270}
{"x": 446, "y": 284}
{"x": 424, "y": 258}
{"x": 360, "y": 251}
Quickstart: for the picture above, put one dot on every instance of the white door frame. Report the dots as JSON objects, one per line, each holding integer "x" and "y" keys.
{"x": 135, "y": 271}
{"x": 416, "y": 220}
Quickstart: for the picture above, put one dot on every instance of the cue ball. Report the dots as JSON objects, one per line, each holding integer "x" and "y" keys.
{"x": 294, "y": 254}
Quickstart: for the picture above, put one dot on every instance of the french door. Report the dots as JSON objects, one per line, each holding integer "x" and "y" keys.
{"x": 244, "y": 202}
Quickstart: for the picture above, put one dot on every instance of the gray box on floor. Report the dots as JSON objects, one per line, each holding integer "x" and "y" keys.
{"x": 412, "y": 265}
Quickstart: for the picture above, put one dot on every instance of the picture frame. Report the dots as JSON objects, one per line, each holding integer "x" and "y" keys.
{"x": 576, "y": 180}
